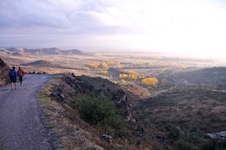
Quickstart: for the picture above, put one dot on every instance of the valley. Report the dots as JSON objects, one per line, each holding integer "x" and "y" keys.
{"x": 172, "y": 102}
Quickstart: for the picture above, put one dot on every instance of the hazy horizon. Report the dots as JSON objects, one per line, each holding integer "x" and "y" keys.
{"x": 195, "y": 27}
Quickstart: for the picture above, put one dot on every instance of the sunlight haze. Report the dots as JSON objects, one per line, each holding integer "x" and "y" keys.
{"x": 194, "y": 27}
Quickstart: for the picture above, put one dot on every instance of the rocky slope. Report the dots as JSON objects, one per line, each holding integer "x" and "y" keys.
{"x": 4, "y": 71}
{"x": 74, "y": 85}
{"x": 65, "y": 90}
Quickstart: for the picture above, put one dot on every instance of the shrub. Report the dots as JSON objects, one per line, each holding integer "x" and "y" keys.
{"x": 173, "y": 132}
{"x": 123, "y": 81}
{"x": 182, "y": 145}
{"x": 195, "y": 134}
{"x": 207, "y": 145}
{"x": 100, "y": 110}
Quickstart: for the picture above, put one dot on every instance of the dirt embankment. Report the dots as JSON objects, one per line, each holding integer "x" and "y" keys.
{"x": 4, "y": 72}
{"x": 74, "y": 132}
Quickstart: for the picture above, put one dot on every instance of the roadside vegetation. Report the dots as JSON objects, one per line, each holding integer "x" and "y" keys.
{"x": 101, "y": 111}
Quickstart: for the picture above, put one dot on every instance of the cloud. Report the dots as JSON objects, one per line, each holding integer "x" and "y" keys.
{"x": 167, "y": 25}
{"x": 21, "y": 14}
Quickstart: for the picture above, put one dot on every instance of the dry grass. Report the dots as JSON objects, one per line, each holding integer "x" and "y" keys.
{"x": 77, "y": 134}
{"x": 186, "y": 108}
{"x": 72, "y": 131}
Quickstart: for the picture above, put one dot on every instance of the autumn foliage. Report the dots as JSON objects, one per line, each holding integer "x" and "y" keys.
{"x": 149, "y": 81}
{"x": 104, "y": 65}
{"x": 129, "y": 76}
{"x": 113, "y": 63}
{"x": 94, "y": 65}
{"x": 105, "y": 72}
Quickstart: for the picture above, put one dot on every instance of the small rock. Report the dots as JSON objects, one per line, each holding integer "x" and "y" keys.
{"x": 53, "y": 94}
{"x": 161, "y": 138}
{"x": 119, "y": 146}
{"x": 62, "y": 96}
{"x": 134, "y": 120}
{"x": 106, "y": 138}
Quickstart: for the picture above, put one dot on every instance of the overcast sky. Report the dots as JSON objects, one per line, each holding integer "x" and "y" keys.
{"x": 185, "y": 26}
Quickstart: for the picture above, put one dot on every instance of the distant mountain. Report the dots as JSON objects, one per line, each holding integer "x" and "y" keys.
{"x": 3, "y": 50}
{"x": 14, "y": 49}
{"x": 73, "y": 51}
{"x": 42, "y": 51}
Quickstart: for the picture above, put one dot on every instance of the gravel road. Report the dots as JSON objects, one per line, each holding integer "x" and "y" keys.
{"x": 21, "y": 127}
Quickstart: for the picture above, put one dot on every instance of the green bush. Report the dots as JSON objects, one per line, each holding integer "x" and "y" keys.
{"x": 173, "y": 132}
{"x": 207, "y": 145}
{"x": 183, "y": 145}
{"x": 214, "y": 144}
{"x": 102, "y": 111}
{"x": 195, "y": 135}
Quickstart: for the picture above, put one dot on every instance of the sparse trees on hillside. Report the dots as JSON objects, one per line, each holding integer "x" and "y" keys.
{"x": 104, "y": 65}
{"x": 145, "y": 64}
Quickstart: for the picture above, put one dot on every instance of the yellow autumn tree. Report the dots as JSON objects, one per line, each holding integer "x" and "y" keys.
{"x": 104, "y": 65}
{"x": 123, "y": 76}
{"x": 149, "y": 81}
{"x": 105, "y": 72}
{"x": 129, "y": 76}
{"x": 123, "y": 81}
{"x": 94, "y": 65}
{"x": 132, "y": 76}
{"x": 111, "y": 63}
{"x": 118, "y": 64}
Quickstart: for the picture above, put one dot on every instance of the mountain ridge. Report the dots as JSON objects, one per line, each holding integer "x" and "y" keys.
{"x": 41, "y": 51}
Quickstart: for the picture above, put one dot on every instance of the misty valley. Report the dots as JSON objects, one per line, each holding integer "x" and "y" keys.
{"x": 140, "y": 100}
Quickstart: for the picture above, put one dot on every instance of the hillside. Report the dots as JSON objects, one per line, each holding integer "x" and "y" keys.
{"x": 42, "y": 51}
{"x": 187, "y": 108}
{"x": 45, "y": 64}
{"x": 206, "y": 76}
{"x": 67, "y": 93}
{"x": 4, "y": 72}
{"x": 179, "y": 118}
{"x": 40, "y": 63}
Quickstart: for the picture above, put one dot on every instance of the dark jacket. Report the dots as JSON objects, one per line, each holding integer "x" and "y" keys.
{"x": 14, "y": 77}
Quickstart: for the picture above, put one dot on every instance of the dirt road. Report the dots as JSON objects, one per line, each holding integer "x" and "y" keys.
{"x": 21, "y": 127}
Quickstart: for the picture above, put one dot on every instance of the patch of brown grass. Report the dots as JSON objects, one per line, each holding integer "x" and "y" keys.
{"x": 203, "y": 110}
